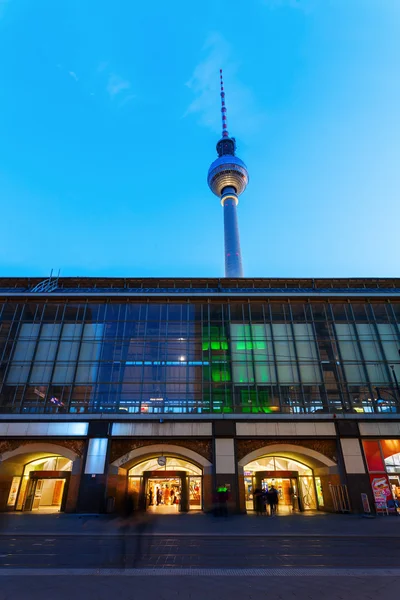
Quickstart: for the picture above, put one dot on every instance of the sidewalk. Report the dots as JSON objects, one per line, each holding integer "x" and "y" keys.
{"x": 305, "y": 524}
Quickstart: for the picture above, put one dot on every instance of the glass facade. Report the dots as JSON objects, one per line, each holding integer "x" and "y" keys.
{"x": 194, "y": 356}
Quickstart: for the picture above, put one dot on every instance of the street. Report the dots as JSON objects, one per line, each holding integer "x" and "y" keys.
{"x": 198, "y": 557}
{"x": 219, "y": 552}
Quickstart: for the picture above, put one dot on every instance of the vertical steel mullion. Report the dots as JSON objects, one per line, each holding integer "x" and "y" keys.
{"x": 394, "y": 322}
{"x": 72, "y": 382}
{"x": 39, "y": 335}
{"x": 396, "y": 327}
{"x": 9, "y": 361}
{"x": 314, "y": 330}
{"x": 166, "y": 346}
{"x": 342, "y": 369}
{"x": 143, "y": 347}
{"x": 364, "y": 364}
{"x": 275, "y": 359}
{"x": 79, "y": 345}
{"x": 383, "y": 355}
{"x": 320, "y": 369}
{"x": 54, "y": 364}
{"x": 291, "y": 324}
{"x": 253, "y": 362}
{"x": 186, "y": 338}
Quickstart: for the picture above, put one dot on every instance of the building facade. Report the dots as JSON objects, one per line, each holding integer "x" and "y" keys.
{"x": 165, "y": 389}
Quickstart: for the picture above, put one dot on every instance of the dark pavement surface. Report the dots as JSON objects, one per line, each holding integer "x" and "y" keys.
{"x": 307, "y": 523}
{"x": 169, "y": 552}
{"x": 116, "y": 554}
{"x": 199, "y": 588}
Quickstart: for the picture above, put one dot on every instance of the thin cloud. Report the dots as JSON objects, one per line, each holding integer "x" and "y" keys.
{"x": 3, "y": 7}
{"x": 243, "y": 114}
{"x": 73, "y": 75}
{"x": 103, "y": 66}
{"x": 127, "y": 99}
{"x": 304, "y": 5}
{"x": 116, "y": 85}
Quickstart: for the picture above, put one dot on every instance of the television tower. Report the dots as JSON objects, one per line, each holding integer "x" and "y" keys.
{"x": 228, "y": 178}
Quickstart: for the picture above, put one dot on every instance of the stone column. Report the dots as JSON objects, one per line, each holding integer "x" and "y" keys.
{"x": 356, "y": 473}
{"x": 93, "y": 485}
{"x": 225, "y": 469}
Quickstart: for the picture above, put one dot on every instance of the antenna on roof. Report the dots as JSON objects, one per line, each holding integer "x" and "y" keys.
{"x": 225, "y": 132}
{"x": 47, "y": 285}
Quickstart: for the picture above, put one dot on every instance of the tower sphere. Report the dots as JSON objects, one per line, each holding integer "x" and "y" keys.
{"x": 227, "y": 171}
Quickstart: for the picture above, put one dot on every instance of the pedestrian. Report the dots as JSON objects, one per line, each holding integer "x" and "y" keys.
{"x": 222, "y": 501}
{"x": 143, "y": 523}
{"x": 264, "y": 500}
{"x": 151, "y": 497}
{"x": 272, "y": 497}
{"x": 128, "y": 506}
{"x": 158, "y": 496}
{"x": 258, "y": 499}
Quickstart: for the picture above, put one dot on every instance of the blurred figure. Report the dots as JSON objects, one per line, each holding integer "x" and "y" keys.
{"x": 158, "y": 496}
{"x": 272, "y": 496}
{"x": 143, "y": 523}
{"x": 259, "y": 500}
{"x": 127, "y": 512}
{"x": 222, "y": 501}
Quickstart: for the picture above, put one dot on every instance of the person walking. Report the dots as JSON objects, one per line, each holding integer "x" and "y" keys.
{"x": 259, "y": 500}
{"x": 158, "y": 496}
{"x": 222, "y": 501}
{"x": 273, "y": 498}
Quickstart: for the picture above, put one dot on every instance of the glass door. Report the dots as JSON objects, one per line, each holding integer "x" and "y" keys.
{"x": 195, "y": 493}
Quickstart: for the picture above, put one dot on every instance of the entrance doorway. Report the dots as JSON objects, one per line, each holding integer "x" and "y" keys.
{"x": 46, "y": 491}
{"x": 43, "y": 486}
{"x": 287, "y": 487}
{"x": 166, "y": 485}
{"x": 293, "y": 481}
{"x": 164, "y": 494}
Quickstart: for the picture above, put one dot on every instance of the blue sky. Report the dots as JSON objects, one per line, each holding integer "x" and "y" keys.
{"x": 109, "y": 116}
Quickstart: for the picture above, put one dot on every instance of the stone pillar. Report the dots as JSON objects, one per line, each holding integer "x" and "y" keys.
{"x": 225, "y": 469}
{"x": 117, "y": 487}
{"x": 207, "y": 489}
{"x": 356, "y": 473}
{"x": 93, "y": 487}
{"x": 73, "y": 487}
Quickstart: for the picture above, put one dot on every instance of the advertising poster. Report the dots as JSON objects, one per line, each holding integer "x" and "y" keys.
{"x": 13, "y": 491}
{"x": 381, "y": 488}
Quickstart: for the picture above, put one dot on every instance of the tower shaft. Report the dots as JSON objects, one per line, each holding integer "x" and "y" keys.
{"x": 233, "y": 255}
{"x": 227, "y": 179}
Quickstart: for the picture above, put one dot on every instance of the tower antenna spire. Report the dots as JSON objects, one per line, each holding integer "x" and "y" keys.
{"x": 225, "y": 133}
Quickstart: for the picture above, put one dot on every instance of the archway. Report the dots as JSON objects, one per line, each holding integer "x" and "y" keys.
{"x": 164, "y": 478}
{"x": 300, "y": 475}
{"x": 37, "y": 477}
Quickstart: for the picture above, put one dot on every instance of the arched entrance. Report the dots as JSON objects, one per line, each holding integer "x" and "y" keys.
{"x": 37, "y": 478}
{"x": 167, "y": 484}
{"x": 165, "y": 479}
{"x": 297, "y": 474}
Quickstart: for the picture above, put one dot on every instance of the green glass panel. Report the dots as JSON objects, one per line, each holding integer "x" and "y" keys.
{"x": 262, "y": 373}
